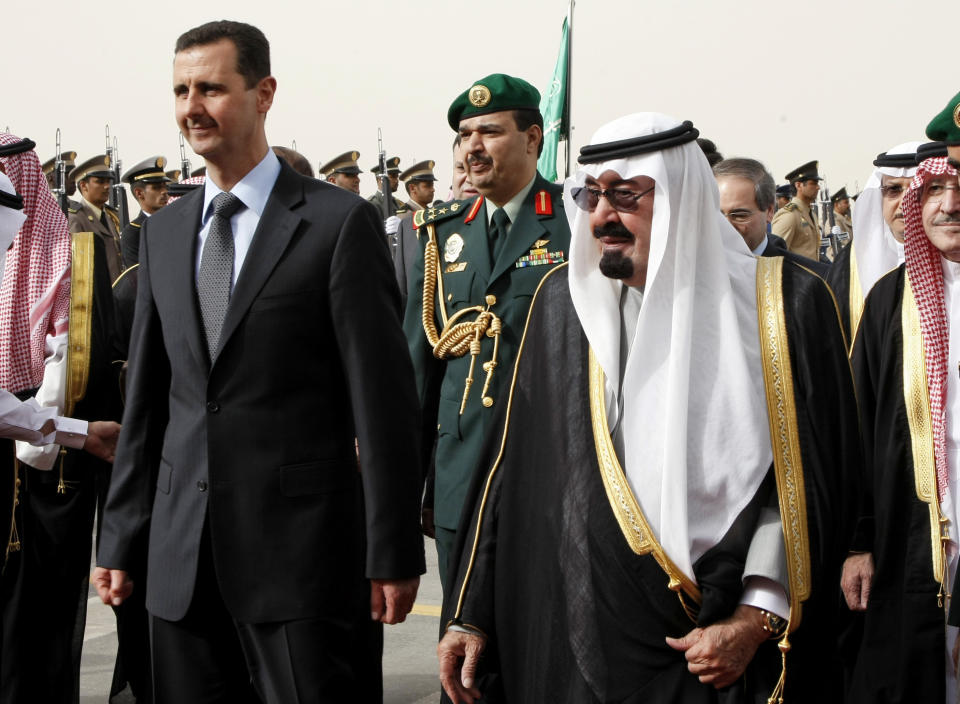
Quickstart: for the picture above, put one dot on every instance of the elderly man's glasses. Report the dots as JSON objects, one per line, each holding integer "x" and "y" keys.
{"x": 936, "y": 191}
{"x": 893, "y": 191}
{"x": 740, "y": 216}
{"x": 621, "y": 199}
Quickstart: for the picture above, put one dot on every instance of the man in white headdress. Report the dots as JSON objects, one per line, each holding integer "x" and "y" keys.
{"x": 878, "y": 222}
{"x": 623, "y": 541}
{"x": 905, "y": 361}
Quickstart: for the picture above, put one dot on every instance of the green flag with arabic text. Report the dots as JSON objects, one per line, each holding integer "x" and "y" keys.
{"x": 553, "y": 106}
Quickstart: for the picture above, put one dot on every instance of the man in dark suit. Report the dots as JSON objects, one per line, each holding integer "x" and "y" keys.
{"x": 747, "y": 193}
{"x": 267, "y": 342}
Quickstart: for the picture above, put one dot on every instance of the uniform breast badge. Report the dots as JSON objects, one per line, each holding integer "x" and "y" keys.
{"x": 452, "y": 248}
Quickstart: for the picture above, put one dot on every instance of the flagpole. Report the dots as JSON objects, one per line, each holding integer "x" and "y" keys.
{"x": 566, "y": 97}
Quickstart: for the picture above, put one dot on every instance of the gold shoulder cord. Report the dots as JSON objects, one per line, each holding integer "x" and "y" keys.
{"x": 784, "y": 437}
{"x": 917, "y": 400}
{"x": 78, "y": 335}
{"x": 457, "y": 338}
{"x": 633, "y": 523}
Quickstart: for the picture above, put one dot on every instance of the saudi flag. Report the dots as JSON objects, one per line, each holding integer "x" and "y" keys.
{"x": 553, "y": 107}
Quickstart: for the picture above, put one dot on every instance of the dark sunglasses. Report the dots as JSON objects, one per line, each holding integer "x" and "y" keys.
{"x": 621, "y": 199}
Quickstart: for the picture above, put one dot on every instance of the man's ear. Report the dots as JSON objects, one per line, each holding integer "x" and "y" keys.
{"x": 266, "y": 89}
{"x": 534, "y": 137}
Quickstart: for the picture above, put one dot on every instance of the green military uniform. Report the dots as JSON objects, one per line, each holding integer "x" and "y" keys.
{"x": 538, "y": 240}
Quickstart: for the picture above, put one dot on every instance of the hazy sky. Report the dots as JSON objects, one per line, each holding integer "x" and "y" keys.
{"x": 782, "y": 82}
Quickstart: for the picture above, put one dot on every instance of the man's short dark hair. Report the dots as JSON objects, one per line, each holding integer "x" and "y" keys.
{"x": 297, "y": 161}
{"x": 253, "y": 49}
{"x": 527, "y": 117}
{"x": 764, "y": 189}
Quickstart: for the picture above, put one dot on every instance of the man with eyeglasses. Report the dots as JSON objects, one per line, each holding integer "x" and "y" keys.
{"x": 479, "y": 263}
{"x": 639, "y": 554}
{"x": 905, "y": 362}
{"x": 795, "y": 222}
{"x": 746, "y": 200}
{"x": 878, "y": 248}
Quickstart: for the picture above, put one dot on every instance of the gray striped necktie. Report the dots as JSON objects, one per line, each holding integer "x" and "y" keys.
{"x": 216, "y": 268}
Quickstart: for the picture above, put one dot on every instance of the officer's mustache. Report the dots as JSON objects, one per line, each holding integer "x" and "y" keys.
{"x": 612, "y": 229}
{"x": 473, "y": 160}
{"x": 946, "y": 219}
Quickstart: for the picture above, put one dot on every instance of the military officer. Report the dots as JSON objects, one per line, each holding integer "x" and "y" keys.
{"x": 92, "y": 214}
{"x": 480, "y": 261}
{"x": 795, "y": 221}
{"x": 945, "y": 127}
{"x": 841, "y": 211}
{"x": 343, "y": 171}
{"x": 393, "y": 173}
{"x": 784, "y": 194}
{"x": 419, "y": 180}
{"x": 148, "y": 184}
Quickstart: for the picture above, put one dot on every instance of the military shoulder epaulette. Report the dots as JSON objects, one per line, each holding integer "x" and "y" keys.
{"x": 134, "y": 224}
{"x": 109, "y": 208}
{"x": 445, "y": 211}
{"x": 791, "y": 206}
{"x": 73, "y": 208}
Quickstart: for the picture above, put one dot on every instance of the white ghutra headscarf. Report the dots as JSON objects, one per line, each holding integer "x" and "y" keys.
{"x": 696, "y": 436}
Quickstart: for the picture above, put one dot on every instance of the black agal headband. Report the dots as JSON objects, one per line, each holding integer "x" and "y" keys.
{"x": 24, "y": 145}
{"x": 593, "y": 153}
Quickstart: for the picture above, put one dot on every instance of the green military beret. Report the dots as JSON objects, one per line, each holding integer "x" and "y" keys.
{"x": 496, "y": 92}
{"x": 945, "y": 127}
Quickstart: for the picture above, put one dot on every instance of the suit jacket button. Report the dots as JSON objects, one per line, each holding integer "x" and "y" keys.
{"x": 202, "y": 485}
{"x": 213, "y": 406}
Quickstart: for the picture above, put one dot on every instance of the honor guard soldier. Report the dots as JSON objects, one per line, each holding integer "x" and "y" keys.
{"x": 393, "y": 173}
{"x": 343, "y": 171}
{"x": 480, "y": 261}
{"x": 795, "y": 222}
{"x": 841, "y": 211}
{"x": 419, "y": 180}
{"x": 148, "y": 184}
{"x": 92, "y": 214}
{"x": 49, "y": 170}
{"x": 945, "y": 127}
{"x": 784, "y": 194}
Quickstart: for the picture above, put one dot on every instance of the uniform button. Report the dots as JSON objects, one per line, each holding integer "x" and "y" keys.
{"x": 202, "y": 485}
{"x": 213, "y": 406}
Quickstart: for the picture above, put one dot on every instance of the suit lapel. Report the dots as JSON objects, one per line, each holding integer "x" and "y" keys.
{"x": 523, "y": 233}
{"x": 276, "y": 227}
{"x": 183, "y": 270}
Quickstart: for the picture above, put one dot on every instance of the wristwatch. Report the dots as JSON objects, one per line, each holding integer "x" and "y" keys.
{"x": 773, "y": 624}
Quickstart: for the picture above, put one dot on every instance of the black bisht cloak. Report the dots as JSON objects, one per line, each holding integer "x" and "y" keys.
{"x": 571, "y": 613}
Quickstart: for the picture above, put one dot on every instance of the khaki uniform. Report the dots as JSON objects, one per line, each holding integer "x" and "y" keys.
{"x": 82, "y": 219}
{"x": 845, "y": 223}
{"x": 796, "y": 224}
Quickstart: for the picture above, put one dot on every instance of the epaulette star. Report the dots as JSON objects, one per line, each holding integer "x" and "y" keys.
{"x": 443, "y": 212}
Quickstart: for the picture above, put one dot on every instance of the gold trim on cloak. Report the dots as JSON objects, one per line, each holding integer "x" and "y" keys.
{"x": 633, "y": 523}
{"x": 917, "y": 401}
{"x": 503, "y": 445}
{"x": 855, "y": 296}
{"x": 784, "y": 431}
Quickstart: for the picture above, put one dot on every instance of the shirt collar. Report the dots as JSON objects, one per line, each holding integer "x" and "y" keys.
{"x": 96, "y": 211}
{"x": 762, "y": 247}
{"x": 512, "y": 206}
{"x": 253, "y": 190}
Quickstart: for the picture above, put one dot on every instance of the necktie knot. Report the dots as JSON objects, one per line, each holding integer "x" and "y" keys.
{"x": 226, "y": 204}
{"x": 501, "y": 221}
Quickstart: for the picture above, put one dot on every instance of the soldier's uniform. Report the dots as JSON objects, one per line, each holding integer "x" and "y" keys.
{"x": 69, "y": 160}
{"x": 472, "y": 295}
{"x": 393, "y": 169}
{"x": 147, "y": 171}
{"x": 82, "y": 217}
{"x": 844, "y": 222}
{"x": 795, "y": 222}
{"x": 421, "y": 171}
{"x": 346, "y": 163}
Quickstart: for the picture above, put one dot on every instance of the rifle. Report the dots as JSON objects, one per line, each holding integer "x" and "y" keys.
{"x": 184, "y": 161}
{"x": 831, "y": 237}
{"x": 388, "y": 205}
{"x": 118, "y": 195}
{"x": 60, "y": 179}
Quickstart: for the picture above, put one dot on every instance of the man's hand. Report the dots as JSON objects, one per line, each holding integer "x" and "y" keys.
{"x": 102, "y": 439}
{"x": 457, "y": 677}
{"x": 720, "y": 653}
{"x": 427, "y": 525}
{"x": 113, "y": 586}
{"x": 856, "y": 580}
{"x": 392, "y": 599}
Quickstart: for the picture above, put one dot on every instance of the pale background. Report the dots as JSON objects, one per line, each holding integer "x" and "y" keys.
{"x": 782, "y": 82}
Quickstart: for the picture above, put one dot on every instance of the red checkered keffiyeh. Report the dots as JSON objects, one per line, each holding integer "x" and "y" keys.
{"x": 925, "y": 271}
{"x": 199, "y": 180}
{"x": 35, "y": 295}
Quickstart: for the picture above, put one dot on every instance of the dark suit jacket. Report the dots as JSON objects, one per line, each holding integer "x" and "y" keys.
{"x": 130, "y": 241}
{"x": 260, "y": 442}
